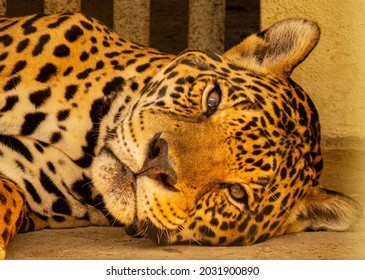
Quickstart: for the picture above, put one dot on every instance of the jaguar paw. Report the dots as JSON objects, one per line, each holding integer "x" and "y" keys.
{"x": 12, "y": 211}
{"x": 2, "y": 253}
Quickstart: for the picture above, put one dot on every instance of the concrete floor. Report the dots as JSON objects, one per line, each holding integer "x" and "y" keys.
{"x": 344, "y": 171}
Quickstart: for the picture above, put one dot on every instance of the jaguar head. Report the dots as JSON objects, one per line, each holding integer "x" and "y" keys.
{"x": 223, "y": 149}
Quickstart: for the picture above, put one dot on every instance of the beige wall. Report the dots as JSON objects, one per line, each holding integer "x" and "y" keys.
{"x": 56, "y": 6}
{"x": 334, "y": 74}
{"x": 2, "y": 7}
{"x": 132, "y": 20}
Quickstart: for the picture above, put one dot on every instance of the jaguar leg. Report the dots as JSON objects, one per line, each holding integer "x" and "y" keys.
{"x": 12, "y": 209}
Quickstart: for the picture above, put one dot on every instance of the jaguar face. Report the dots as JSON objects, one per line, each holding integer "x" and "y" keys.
{"x": 221, "y": 150}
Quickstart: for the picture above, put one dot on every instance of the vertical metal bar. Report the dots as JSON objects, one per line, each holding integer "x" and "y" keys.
{"x": 169, "y": 25}
{"x": 57, "y": 6}
{"x": 206, "y": 24}
{"x": 242, "y": 20}
{"x": 101, "y": 10}
{"x": 3, "y": 7}
{"x": 16, "y": 8}
{"x": 132, "y": 20}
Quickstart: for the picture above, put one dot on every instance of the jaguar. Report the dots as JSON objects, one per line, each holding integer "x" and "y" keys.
{"x": 195, "y": 148}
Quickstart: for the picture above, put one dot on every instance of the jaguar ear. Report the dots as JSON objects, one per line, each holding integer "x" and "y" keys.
{"x": 279, "y": 49}
{"x": 324, "y": 209}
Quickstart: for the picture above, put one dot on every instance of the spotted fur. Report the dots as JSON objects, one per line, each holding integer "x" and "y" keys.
{"x": 197, "y": 148}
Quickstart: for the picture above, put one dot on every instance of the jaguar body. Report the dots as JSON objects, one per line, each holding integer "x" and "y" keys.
{"x": 197, "y": 148}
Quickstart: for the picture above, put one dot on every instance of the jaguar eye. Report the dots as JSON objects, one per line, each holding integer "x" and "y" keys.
{"x": 213, "y": 100}
{"x": 237, "y": 192}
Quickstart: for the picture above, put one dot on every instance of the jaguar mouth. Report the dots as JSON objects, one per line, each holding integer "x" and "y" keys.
{"x": 147, "y": 229}
{"x": 125, "y": 176}
{"x": 121, "y": 185}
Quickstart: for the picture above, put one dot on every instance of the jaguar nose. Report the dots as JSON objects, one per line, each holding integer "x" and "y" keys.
{"x": 157, "y": 165}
